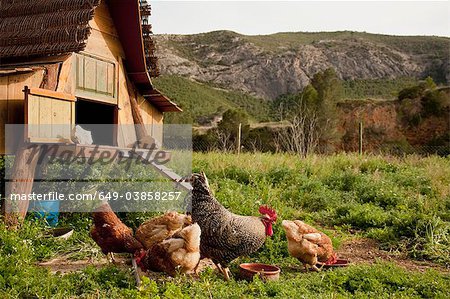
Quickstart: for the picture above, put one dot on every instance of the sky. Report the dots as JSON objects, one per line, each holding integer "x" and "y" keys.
{"x": 266, "y": 17}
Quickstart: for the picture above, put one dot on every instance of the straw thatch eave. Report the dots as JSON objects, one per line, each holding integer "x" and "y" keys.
{"x": 44, "y": 27}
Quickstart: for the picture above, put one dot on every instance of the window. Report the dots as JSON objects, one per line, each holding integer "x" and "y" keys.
{"x": 96, "y": 78}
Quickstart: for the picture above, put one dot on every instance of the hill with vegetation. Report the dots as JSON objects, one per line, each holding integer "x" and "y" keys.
{"x": 201, "y": 101}
{"x": 267, "y": 66}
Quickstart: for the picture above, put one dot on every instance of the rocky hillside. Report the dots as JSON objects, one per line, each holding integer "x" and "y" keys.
{"x": 271, "y": 65}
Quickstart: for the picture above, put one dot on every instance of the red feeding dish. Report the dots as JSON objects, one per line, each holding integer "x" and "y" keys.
{"x": 266, "y": 272}
{"x": 337, "y": 264}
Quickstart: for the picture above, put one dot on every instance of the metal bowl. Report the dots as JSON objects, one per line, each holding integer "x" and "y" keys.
{"x": 63, "y": 233}
{"x": 266, "y": 272}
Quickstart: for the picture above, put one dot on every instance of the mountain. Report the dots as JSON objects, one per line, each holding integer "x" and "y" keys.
{"x": 266, "y": 66}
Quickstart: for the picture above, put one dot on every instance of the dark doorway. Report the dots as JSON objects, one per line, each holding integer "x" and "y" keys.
{"x": 98, "y": 118}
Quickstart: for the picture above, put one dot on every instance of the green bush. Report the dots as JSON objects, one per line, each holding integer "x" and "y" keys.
{"x": 362, "y": 216}
{"x": 412, "y": 92}
{"x": 433, "y": 103}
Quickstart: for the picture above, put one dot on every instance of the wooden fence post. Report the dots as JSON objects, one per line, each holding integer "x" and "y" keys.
{"x": 360, "y": 139}
{"x": 239, "y": 136}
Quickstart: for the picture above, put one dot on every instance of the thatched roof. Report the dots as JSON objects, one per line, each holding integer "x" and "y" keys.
{"x": 44, "y": 27}
{"x": 35, "y": 28}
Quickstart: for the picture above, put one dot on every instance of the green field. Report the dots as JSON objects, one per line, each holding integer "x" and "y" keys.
{"x": 402, "y": 203}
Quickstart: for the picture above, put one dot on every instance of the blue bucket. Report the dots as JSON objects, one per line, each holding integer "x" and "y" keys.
{"x": 48, "y": 209}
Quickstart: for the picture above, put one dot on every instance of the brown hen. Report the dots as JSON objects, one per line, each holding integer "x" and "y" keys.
{"x": 157, "y": 229}
{"x": 178, "y": 254}
{"x": 309, "y": 245}
{"x": 111, "y": 234}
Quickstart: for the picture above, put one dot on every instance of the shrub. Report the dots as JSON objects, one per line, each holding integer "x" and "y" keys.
{"x": 412, "y": 92}
{"x": 433, "y": 103}
{"x": 362, "y": 216}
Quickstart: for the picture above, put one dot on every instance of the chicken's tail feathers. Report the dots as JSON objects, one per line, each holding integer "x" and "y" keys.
{"x": 200, "y": 185}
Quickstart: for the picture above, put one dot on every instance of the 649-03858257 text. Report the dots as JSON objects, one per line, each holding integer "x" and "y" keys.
{"x": 99, "y": 195}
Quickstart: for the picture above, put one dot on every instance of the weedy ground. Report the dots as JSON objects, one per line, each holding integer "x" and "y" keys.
{"x": 401, "y": 204}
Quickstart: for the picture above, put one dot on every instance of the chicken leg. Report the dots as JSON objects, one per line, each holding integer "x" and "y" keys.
{"x": 196, "y": 271}
{"x": 314, "y": 267}
{"x": 136, "y": 271}
{"x": 111, "y": 258}
{"x": 225, "y": 271}
{"x": 227, "y": 274}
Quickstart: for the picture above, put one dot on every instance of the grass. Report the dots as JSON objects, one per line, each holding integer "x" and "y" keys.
{"x": 192, "y": 96}
{"x": 391, "y": 200}
{"x": 403, "y": 203}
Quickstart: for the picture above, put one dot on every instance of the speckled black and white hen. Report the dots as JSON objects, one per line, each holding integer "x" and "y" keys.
{"x": 226, "y": 236}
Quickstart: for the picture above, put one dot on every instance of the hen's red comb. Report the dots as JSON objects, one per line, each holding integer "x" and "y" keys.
{"x": 269, "y": 211}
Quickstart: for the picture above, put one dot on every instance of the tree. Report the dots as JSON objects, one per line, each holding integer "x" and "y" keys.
{"x": 330, "y": 90}
{"x": 429, "y": 83}
{"x": 311, "y": 115}
{"x": 231, "y": 120}
{"x": 301, "y": 135}
{"x": 328, "y": 85}
{"x": 288, "y": 106}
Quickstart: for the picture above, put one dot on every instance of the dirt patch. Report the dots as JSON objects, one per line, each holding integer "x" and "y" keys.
{"x": 367, "y": 251}
{"x": 160, "y": 276}
{"x": 357, "y": 251}
{"x": 64, "y": 265}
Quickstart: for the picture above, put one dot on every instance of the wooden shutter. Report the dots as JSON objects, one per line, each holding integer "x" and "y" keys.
{"x": 49, "y": 116}
{"x": 96, "y": 79}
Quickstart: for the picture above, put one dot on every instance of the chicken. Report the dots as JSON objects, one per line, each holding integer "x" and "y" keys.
{"x": 177, "y": 254}
{"x": 309, "y": 245}
{"x": 111, "y": 234}
{"x": 226, "y": 236}
{"x": 157, "y": 229}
